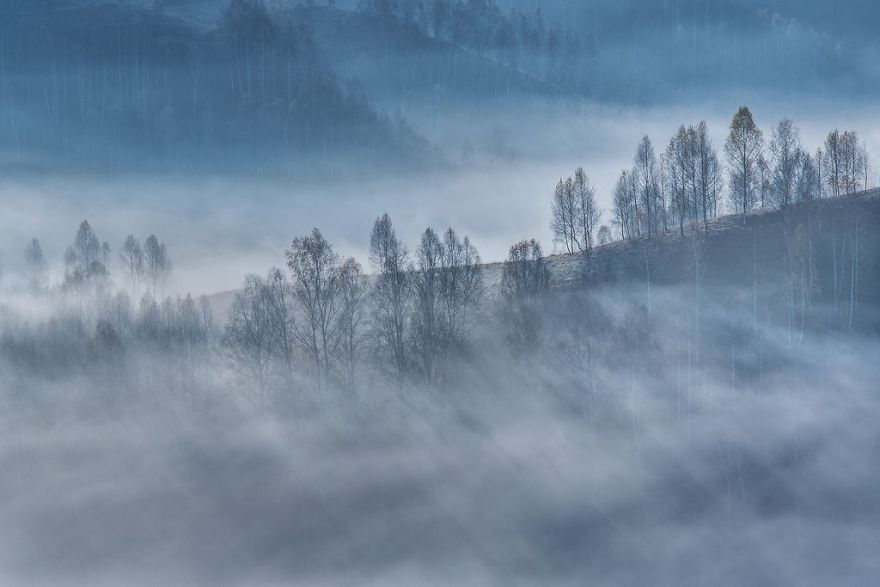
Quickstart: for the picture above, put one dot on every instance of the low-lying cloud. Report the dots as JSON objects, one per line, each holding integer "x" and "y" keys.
{"x": 721, "y": 472}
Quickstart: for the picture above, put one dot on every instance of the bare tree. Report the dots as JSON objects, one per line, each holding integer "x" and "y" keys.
{"x": 391, "y": 294}
{"x": 834, "y": 165}
{"x": 785, "y": 147}
{"x": 764, "y": 183}
{"x": 36, "y": 265}
{"x": 678, "y": 162}
{"x": 565, "y": 215}
{"x": 157, "y": 264}
{"x": 461, "y": 286}
{"x": 186, "y": 339}
{"x": 808, "y": 180}
{"x": 646, "y": 178}
{"x": 665, "y": 185}
{"x": 83, "y": 260}
{"x": 853, "y": 163}
{"x": 133, "y": 264}
{"x": 427, "y": 318}
{"x": 709, "y": 169}
{"x": 575, "y": 214}
{"x": 588, "y": 213}
{"x": 315, "y": 271}
{"x": 819, "y": 161}
{"x": 106, "y": 255}
{"x": 120, "y": 314}
{"x": 352, "y": 319}
{"x": 743, "y": 148}
{"x": 692, "y": 174}
{"x": 248, "y": 337}
{"x": 207, "y": 319}
{"x": 524, "y": 283}
{"x": 626, "y": 209}
{"x": 283, "y": 337}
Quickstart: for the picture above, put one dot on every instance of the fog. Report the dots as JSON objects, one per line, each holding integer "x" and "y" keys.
{"x": 220, "y": 226}
{"x": 682, "y": 392}
{"x": 519, "y": 473}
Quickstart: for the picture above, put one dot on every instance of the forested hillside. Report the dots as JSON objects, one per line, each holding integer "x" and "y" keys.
{"x": 107, "y": 86}
{"x": 401, "y": 64}
{"x": 255, "y": 86}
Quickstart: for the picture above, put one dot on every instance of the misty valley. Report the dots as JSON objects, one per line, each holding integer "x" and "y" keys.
{"x": 437, "y": 292}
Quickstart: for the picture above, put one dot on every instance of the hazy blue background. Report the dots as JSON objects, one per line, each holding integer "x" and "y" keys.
{"x": 490, "y": 141}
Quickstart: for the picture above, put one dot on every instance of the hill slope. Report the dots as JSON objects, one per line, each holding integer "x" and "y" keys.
{"x": 827, "y": 250}
{"x": 819, "y": 258}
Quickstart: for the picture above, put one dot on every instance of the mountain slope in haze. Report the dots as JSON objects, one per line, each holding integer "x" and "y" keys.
{"x": 91, "y": 85}
{"x": 693, "y": 50}
{"x": 393, "y": 60}
{"x": 821, "y": 252}
{"x": 627, "y": 52}
{"x": 467, "y": 101}
{"x": 398, "y": 62}
{"x": 825, "y": 252}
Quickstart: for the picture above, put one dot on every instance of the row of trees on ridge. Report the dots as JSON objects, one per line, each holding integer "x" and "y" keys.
{"x": 685, "y": 183}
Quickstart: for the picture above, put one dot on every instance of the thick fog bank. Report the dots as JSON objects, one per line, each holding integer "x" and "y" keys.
{"x": 652, "y": 437}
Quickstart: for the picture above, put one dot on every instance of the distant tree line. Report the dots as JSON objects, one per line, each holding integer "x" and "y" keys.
{"x": 323, "y": 317}
{"x": 145, "y": 268}
{"x": 575, "y": 214}
{"x": 96, "y": 326}
{"x": 182, "y": 94}
{"x": 685, "y": 184}
{"x": 416, "y": 317}
{"x": 523, "y": 40}
{"x": 321, "y": 320}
